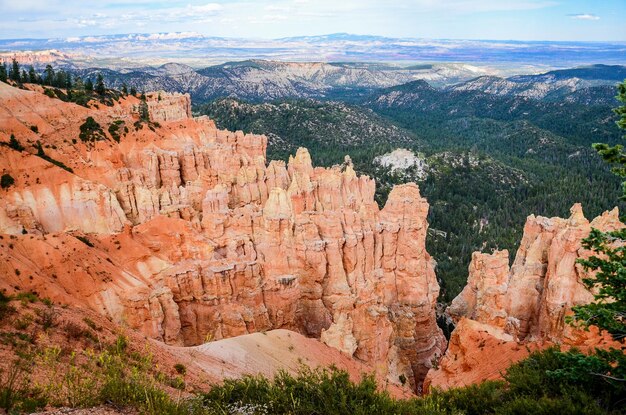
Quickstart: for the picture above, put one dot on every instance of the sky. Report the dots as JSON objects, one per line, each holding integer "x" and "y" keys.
{"x": 577, "y": 20}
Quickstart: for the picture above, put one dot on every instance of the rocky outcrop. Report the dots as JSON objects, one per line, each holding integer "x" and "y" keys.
{"x": 35, "y": 57}
{"x": 503, "y": 312}
{"x": 46, "y": 198}
{"x": 168, "y": 107}
{"x": 188, "y": 235}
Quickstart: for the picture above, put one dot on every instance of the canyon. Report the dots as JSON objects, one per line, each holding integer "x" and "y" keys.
{"x": 188, "y": 235}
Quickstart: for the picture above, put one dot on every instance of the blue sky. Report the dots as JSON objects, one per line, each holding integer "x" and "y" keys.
{"x": 595, "y": 20}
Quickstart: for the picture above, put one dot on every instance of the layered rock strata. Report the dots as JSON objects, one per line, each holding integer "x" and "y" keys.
{"x": 186, "y": 233}
{"x": 505, "y": 312}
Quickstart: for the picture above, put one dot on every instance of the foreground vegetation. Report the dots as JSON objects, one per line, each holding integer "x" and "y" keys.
{"x": 94, "y": 372}
{"x": 550, "y": 382}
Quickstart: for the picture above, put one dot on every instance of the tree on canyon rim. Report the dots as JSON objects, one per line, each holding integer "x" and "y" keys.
{"x": 100, "y": 88}
{"x": 608, "y": 311}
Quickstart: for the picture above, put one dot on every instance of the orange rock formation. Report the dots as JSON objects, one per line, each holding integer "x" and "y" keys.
{"x": 503, "y": 313}
{"x": 185, "y": 233}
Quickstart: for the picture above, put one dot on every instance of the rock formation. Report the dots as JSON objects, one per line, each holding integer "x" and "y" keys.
{"x": 185, "y": 233}
{"x": 168, "y": 107}
{"x": 503, "y": 312}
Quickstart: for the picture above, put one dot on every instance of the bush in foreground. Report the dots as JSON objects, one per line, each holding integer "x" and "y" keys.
{"x": 549, "y": 382}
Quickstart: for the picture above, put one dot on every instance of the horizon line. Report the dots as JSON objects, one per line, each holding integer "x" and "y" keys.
{"x": 201, "y": 35}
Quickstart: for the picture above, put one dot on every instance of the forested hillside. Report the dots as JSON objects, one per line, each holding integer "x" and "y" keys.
{"x": 490, "y": 159}
{"x": 329, "y": 129}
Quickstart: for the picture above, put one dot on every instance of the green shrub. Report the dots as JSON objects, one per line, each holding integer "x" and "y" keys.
{"x": 180, "y": 368}
{"x": 555, "y": 374}
{"x": 27, "y": 297}
{"x": 6, "y": 181}
{"x": 177, "y": 383}
{"x": 475, "y": 399}
{"x": 92, "y": 325}
{"x": 549, "y": 406}
{"x": 14, "y": 144}
{"x": 310, "y": 392}
{"x": 548, "y": 382}
{"x": 5, "y": 307}
{"x": 84, "y": 240}
{"x": 16, "y": 393}
{"x": 114, "y": 130}
{"x": 120, "y": 345}
{"x": 23, "y": 323}
{"x": 91, "y": 131}
{"x": 47, "y": 317}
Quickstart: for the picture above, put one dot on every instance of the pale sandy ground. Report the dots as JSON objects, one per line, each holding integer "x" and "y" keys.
{"x": 258, "y": 353}
{"x": 268, "y": 352}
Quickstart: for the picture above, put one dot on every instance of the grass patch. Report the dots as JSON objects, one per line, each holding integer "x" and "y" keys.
{"x": 27, "y": 297}
{"x": 5, "y": 307}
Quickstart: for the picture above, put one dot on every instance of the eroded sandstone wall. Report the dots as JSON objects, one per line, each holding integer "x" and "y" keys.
{"x": 503, "y": 313}
{"x": 192, "y": 235}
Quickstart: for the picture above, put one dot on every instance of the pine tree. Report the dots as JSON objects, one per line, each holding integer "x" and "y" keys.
{"x": 78, "y": 84}
{"x": 144, "y": 113}
{"x": 14, "y": 144}
{"x": 100, "y": 88}
{"x": 608, "y": 310}
{"x": 60, "y": 79}
{"x": 32, "y": 75}
{"x": 124, "y": 89}
{"x": 48, "y": 75}
{"x": 77, "y": 93}
{"x": 133, "y": 91}
{"x": 88, "y": 85}
{"x": 3, "y": 72}
{"x": 14, "y": 73}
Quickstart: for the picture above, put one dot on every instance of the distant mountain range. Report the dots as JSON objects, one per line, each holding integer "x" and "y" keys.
{"x": 262, "y": 81}
{"x": 136, "y": 50}
{"x": 257, "y": 80}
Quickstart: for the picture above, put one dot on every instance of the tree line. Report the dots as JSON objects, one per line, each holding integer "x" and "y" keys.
{"x": 60, "y": 78}
{"x": 61, "y": 84}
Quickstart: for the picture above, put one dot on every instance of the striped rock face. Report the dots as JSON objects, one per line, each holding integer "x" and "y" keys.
{"x": 187, "y": 234}
{"x": 505, "y": 312}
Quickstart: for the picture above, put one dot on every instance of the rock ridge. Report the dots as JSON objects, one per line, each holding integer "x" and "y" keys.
{"x": 503, "y": 313}
{"x": 187, "y": 234}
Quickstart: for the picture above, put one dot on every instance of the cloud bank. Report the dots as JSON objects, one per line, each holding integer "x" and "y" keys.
{"x": 584, "y": 16}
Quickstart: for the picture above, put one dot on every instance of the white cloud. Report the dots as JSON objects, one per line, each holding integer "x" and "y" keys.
{"x": 584, "y": 16}
{"x": 208, "y": 8}
{"x": 86, "y": 23}
{"x": 275, "y": 18}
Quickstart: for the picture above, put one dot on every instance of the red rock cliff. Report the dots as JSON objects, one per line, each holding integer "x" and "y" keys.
{"x": 503, "y": 312}
{"x": 188, "y": 234}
